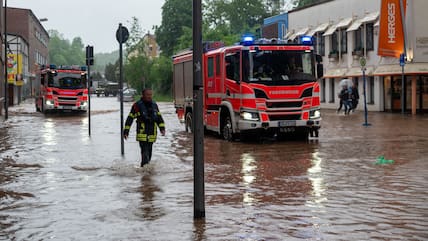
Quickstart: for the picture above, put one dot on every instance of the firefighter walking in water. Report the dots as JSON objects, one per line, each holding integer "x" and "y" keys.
{"x": 149, "y": 118}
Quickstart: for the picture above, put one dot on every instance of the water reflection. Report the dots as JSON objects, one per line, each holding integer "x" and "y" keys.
{"x": 248, "y": 169}
{"x": 49, "y": 132}
{"x": 150, "y": 208}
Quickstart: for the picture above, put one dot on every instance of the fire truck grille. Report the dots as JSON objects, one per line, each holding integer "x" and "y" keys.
{"x": 66, "y": 98}
{"x": 67, "y": 104}
{"x": 288, "y": 104}
{"x": 284, "y": 117}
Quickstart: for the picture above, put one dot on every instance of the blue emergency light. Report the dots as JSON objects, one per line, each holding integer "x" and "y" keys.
{"x": 307, "y": 40}
{"x": 247, "y": 39}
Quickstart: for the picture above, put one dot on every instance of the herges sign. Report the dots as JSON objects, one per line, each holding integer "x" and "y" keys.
{"x": 391, "y": 34}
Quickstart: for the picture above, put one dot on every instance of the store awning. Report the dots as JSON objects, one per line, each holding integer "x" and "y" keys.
{"x": 342, "y": 24}
{"x": 395, "y": 69}
{"x": 319, "y": 28}
{"x": 289, "y": 33}
{"x": 298, "y": 33}
{"x": 335, "y": 73}
{"x": 371, "y": 17}
{"x": 356, "y": 71}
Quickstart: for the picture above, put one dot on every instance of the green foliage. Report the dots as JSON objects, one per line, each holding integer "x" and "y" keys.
{"x": 62, "y": 52}
{"x": 102, "y": 59}
{"x": 161, "y": 75}
{"x": 176, "y": 14}
{"x": 302, "y": 3}
{"x": 111, "y": 72}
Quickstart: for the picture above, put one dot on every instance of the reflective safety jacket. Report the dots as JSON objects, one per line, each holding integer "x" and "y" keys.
{"x": 148, "y": 120}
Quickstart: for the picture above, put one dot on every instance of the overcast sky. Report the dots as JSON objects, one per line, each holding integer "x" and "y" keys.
{"x": 95, "y": 21}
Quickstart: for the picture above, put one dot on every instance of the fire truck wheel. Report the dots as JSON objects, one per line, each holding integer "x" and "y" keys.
{"x": 227, "y": 130}
{"x": 188, "y": 122}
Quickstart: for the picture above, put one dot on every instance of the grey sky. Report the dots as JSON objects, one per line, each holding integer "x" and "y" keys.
{"x": 95, "y": 21}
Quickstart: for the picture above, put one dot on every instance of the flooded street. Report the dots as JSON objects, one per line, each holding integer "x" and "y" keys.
{"x": 57, "y": 183}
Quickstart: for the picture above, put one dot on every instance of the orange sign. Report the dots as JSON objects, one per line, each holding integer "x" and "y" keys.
{"x": 391, "y": 34}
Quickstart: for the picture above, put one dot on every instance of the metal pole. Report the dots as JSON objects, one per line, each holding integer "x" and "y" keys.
{"x": 122, "y": 149}
{"x": 198, "y": 126}
{"x": 89, "y": 99}
{"x": 6, "y": 84}
{"x": 365, "y": 101}
{"x": 402, "y": 90}
{"x": 403, "y": 101}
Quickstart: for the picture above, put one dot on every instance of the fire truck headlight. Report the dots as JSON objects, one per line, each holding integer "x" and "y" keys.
{"x": 314, "y": 114}
{"x": 83, "y": 103}
{"x": 252, "y": 116}
{"x": 49, "y": 102}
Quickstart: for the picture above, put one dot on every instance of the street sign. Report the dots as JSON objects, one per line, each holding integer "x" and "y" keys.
{"x": 363, "y": 61}
{"x": 122, "y": 34}
{"x": 402, "y": 60}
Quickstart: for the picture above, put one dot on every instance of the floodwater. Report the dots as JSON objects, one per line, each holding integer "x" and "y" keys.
{"x": 57, "y": 183}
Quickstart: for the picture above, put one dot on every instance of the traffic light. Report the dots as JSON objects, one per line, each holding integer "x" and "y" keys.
{"x": 89, "y": 55}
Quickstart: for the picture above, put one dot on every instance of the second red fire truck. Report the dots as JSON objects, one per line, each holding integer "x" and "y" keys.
{"x": 62, "y": 88}
{"x": 254, "y": 88}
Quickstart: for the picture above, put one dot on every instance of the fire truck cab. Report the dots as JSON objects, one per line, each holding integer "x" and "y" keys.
{"x": 62, "y": 88}
{"x": 255, "y": 88}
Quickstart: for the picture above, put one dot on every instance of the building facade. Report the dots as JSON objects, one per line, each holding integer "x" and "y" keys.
{"x": 275, "y": 27}
{"x": 347, "y": 30}
{"x": 28, "y": 43}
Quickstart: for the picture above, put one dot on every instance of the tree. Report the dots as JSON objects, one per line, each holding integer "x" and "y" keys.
{"x": 111, "y": 72}
{"x": 61, "y": 52}
{"x": 176, "y": 14}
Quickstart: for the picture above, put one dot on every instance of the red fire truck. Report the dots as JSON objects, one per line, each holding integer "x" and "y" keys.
{"x": 254, "y": 88}
{"x": 62, "y": 88}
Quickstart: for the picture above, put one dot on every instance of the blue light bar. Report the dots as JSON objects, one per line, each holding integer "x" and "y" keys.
{"x": 306, "y": 40}
{"x": 247, "y": 39}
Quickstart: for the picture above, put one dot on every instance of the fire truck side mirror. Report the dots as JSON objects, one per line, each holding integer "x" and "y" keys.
{"x": 320, "y": 70}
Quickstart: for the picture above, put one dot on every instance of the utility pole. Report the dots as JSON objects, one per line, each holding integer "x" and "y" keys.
{"x": 198, "y": 127}
{"x": 89, "y": 62}
{"x": 122, "y": 36}
{"x": 6, "y": 84}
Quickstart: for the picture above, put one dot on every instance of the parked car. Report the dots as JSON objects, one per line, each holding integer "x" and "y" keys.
{"x": 128, "y": 95}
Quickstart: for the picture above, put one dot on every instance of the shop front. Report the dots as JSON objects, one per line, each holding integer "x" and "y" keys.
{"x": 414, "y": 96}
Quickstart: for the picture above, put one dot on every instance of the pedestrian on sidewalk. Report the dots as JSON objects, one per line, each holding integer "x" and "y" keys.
{"x": 149, "y": 119}
{"x": 355, "y": 96}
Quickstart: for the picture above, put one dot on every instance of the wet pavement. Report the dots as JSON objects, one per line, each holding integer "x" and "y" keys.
{"x": 57, "y": 183}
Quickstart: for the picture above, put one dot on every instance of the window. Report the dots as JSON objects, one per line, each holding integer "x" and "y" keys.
{"x": 233, "y": 66}
{"x": 358, "y": 37}
{"x": 369, "y": 36}
{"x": 343, "y": 40}
{"x": 332, "y": 95}
{"x": 370, "y": 98}
{"x": 334, "y": 43}
{"x": 210, "y": 66}
{"x": 217, "y": 65}
{"x": 323, "y": 90}
{"x": 321, "y": 45}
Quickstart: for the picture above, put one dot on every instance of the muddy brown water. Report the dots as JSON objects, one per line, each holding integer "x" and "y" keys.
{"x": 57, "y": 183}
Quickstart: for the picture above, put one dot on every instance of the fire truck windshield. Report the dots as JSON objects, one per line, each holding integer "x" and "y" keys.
{"x": 67, "y": 81}
{"x": 278, "y": 67}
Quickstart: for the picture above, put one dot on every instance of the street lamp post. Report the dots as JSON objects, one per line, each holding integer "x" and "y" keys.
{"x": 6, "y": 84}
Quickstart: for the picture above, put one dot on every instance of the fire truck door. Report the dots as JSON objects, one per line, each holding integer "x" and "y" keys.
{"x": 210, "y": 91}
